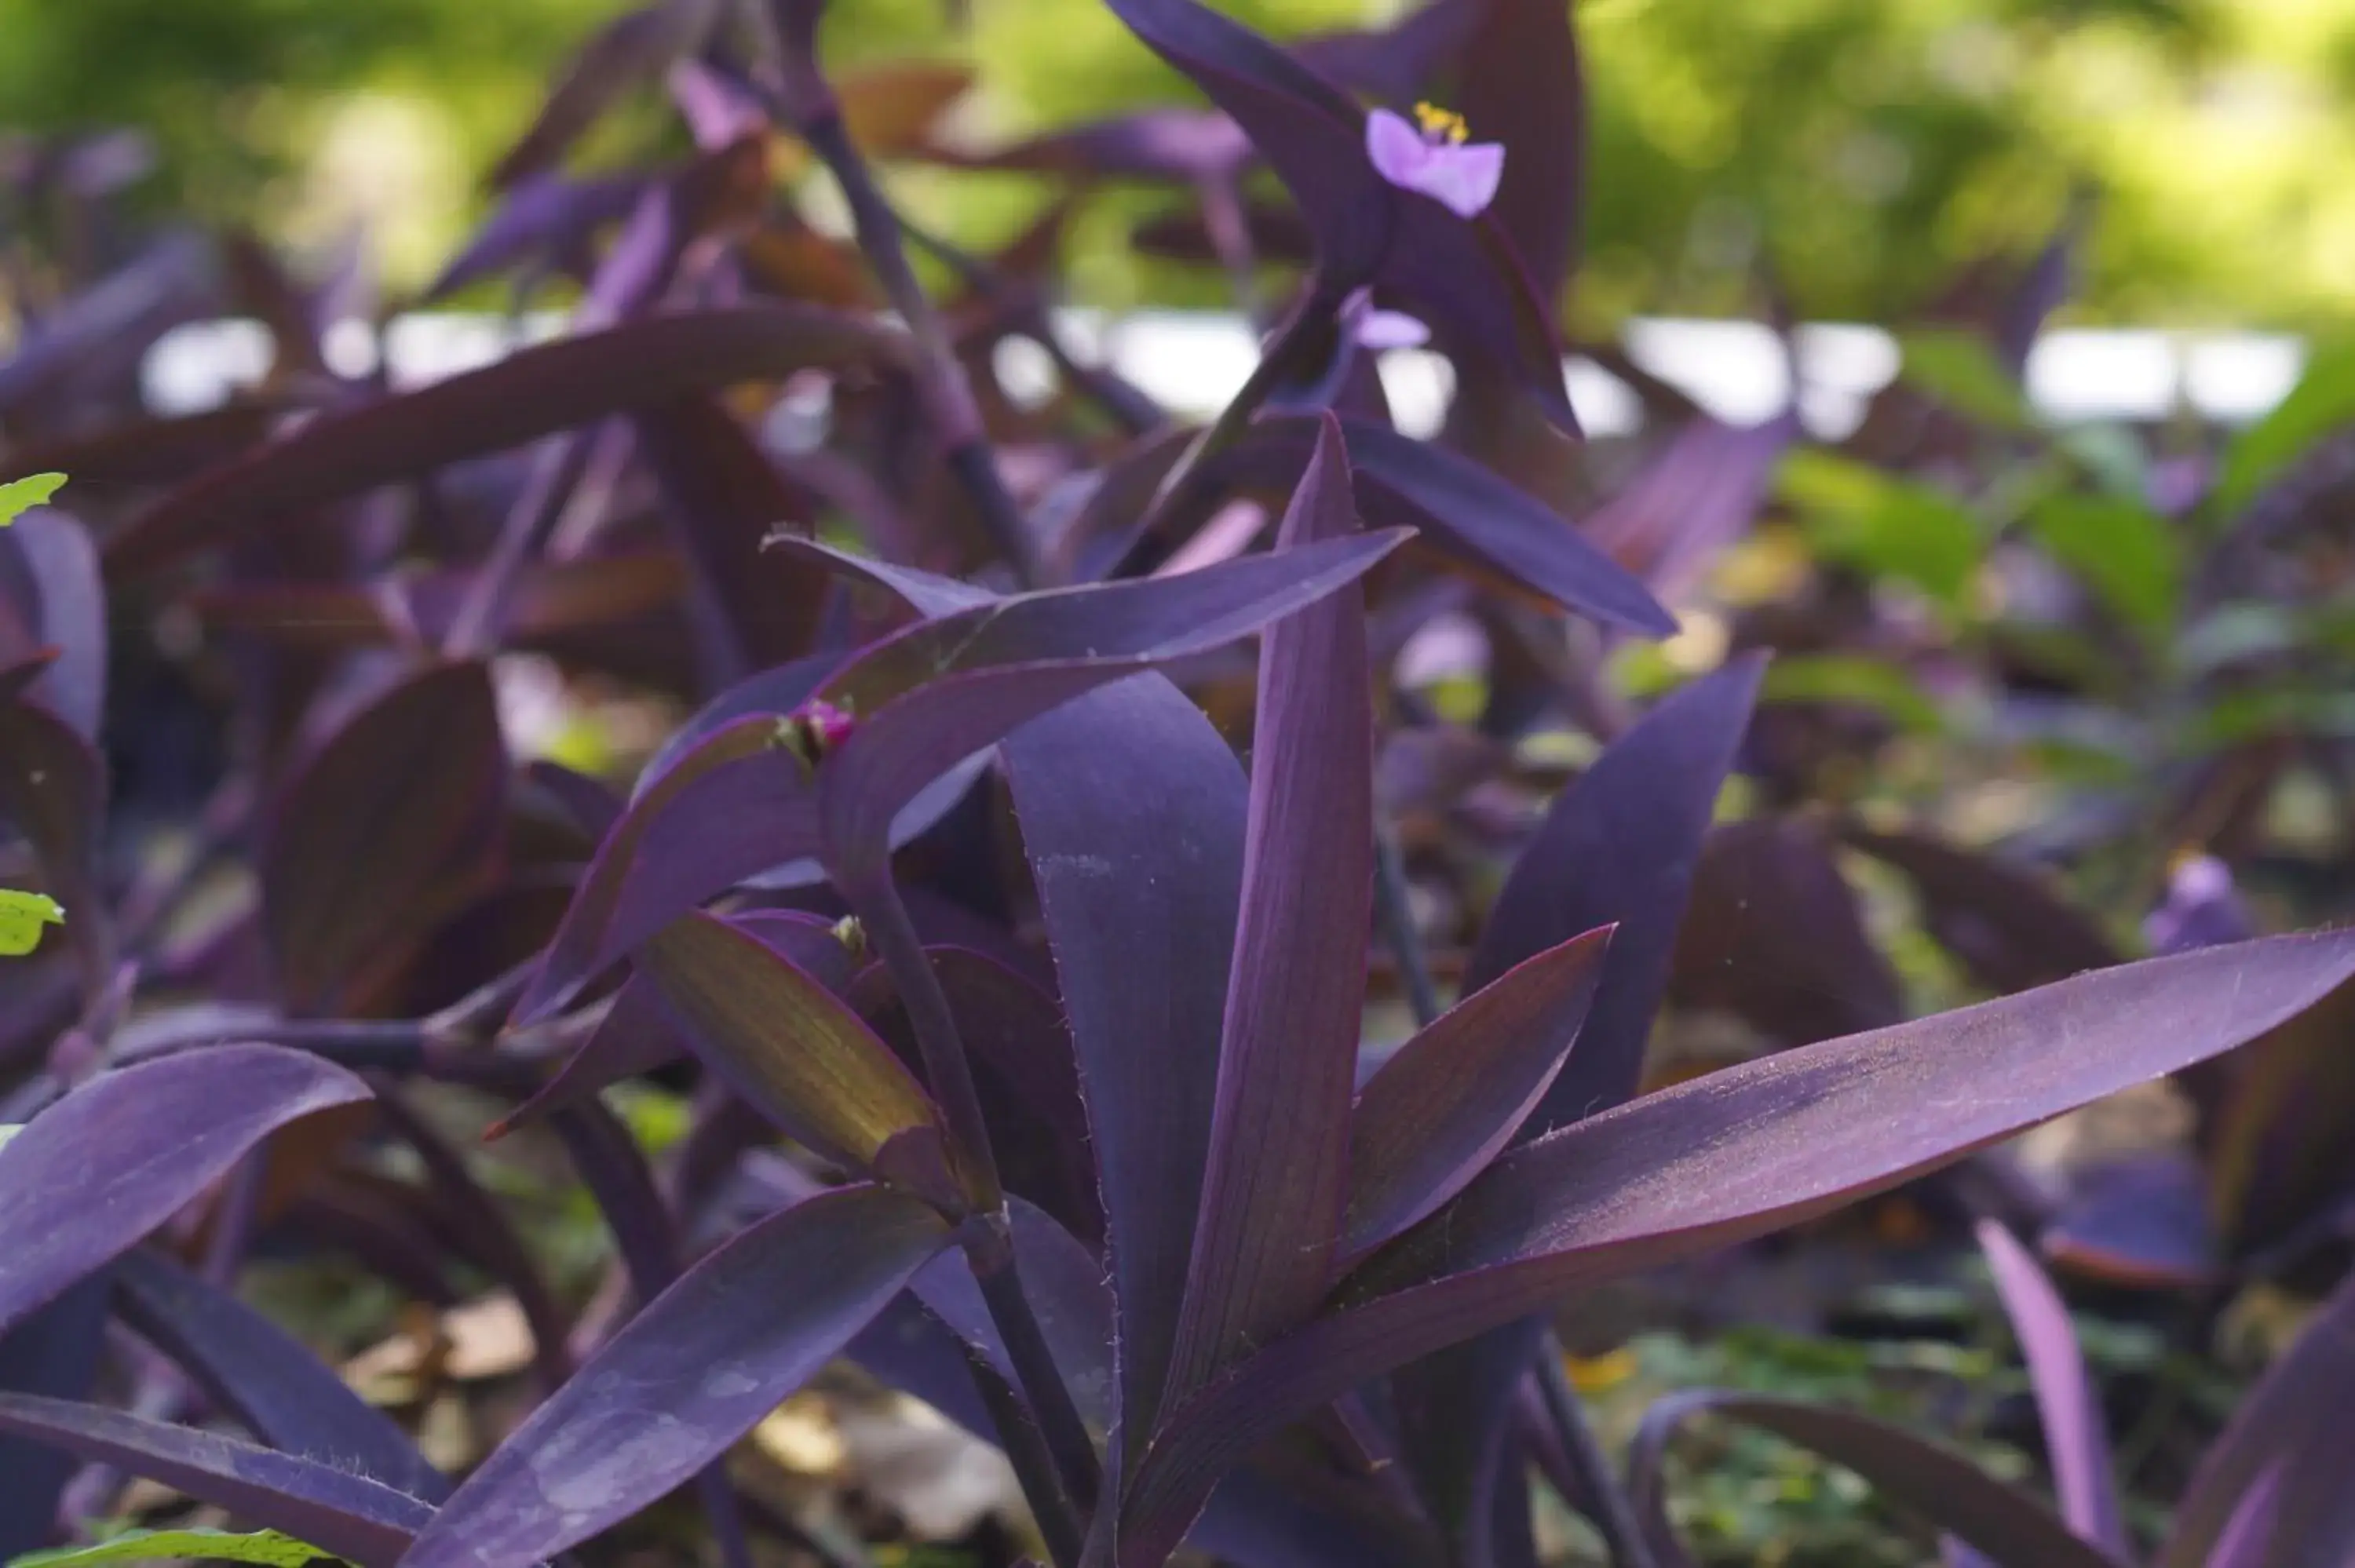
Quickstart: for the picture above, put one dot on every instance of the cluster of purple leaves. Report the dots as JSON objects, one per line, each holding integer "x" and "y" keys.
{"x": 951, "y": 881}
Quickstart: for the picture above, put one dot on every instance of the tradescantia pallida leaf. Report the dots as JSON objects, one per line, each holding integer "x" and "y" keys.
{"x": 1737, "y": 1154}
{"x": 830, "y": 778}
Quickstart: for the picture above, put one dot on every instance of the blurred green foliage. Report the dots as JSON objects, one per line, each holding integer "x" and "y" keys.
{"x": 1857, "y": 151}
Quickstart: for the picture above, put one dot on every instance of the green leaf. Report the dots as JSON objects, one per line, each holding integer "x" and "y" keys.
{"x": 267, "y": 1547}
{"x": 2124, "y": 552}
{"x": 1960, "y": 370}
{"x": 1861, "y": 518}
{"x": 2322, "y": 401}
{"x": 22, "y": 916}
{"x": 1863, "y": 682}
{"x": 19, "y": 496}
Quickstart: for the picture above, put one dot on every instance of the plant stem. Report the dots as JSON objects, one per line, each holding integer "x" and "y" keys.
{"x": 1394, "y": 906}
{"x": 987, "y": 1236}
{"x": 1608, "y": 1507}
{"x": 795, "y": 91}
{"x": 1300, "y": 330}
{"x": 1026, "y": 1449}
{"x": 481, "y": 620}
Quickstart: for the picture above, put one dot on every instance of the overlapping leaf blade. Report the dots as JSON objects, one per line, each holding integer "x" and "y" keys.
{"x": 1737, "y": 1154}
{"x": 124, "y": 1152}
{"x": 348, "y": 1515}
{"x": 685, "y": 1378}
{"x": 1276, "y": 1185}
{"x": 386, "y": 829}
{"x": 784, "y": 1042}
{"x": 2076, "y": 1438}
{"x": 531, "y": 393}
{"x": 1441, "y": 1109}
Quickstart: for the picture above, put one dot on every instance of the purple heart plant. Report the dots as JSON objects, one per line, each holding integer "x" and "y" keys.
{"x": 1038, "y": 1053}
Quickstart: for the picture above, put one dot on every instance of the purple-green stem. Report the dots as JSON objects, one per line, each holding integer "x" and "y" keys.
{"x": 1283, "y": 358}
{"x": 986, "y": 1235}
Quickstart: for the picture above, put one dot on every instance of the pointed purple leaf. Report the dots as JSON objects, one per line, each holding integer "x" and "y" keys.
{"x": 1433, "y": 1116}
{"x": 1277, "y": 1180}
{"x": 931, "y": 696}
{"x": 734, "y": 804}
{"x": 1522, "y": 86}
{"x": 685, "y": 1378}
{"x": 62, "y": 566}
{"x": 2068, "y": 1404}
{"x": 2246, "y": 1540}
{"x": 312, "y": 1500}
{"x": 128, "y": 1149}
{"x": 547, "y": 219}
{"x": 1618, "y": 848}
{"x": 1133, "y": 812}
{"x": 1942, "y": 1486}
{"x": 266, "y": 1378}
{"x": 1739, "y": 1153}
{"x": 632, "y": 50}
{"x": 1464, "y": 509}
{"x": 2289, "y": 1433}
{"x": 370, "y": 841}
{"x": 532, "y": 392}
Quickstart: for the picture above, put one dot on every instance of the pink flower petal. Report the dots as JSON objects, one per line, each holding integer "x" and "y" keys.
{"x": 1378, "y": 329}
{"x": 1396, "y": 149}
{"x": 1464, "y": 179}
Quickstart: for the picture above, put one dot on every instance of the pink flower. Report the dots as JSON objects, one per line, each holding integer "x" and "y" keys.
{"x": 828, "y": 724}
{"x": 1379, "y": 329}
{"x": 1436, "y": 160}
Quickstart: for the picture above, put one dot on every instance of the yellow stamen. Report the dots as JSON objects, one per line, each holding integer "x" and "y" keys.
{"x": 1438, "y": 122}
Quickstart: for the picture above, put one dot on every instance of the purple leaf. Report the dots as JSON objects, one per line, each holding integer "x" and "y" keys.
{"x": 2009, "y": 927}
{"x": 1937, "y": 1482}
{"x": 734, "y": 804}
{"x": 61, "y": 567}
{"x": 267, "y": 1378}
{"x": 785, "y": 1043}
{"x": 531, "y": 393}
{"x": 2138, "y": 1221}
{"x": 1739, "y": 1153}
{"x": 1696, "y": 496}
{"x": 56, "y": 1353}
{"x": 1396, "y": 62}
{"x": 1132, "y": 811}
{"x": 634, "y": 50}
{"x": 1277, "y": 1181}
{"x": 2076, "y": 1439}
{"x": 1153, "y": 143}
{"x": 685, "y": 1378}
{"x": 1522, "y": 86}
{"x": 1464, "y": 509}
{"x": 128, "y": 1149}
{"x": 1433, "y": 1116}
{"x": 545, "y": 218}
{"x": 942, "y": 690}
{"x": 2288, "y": 1434}
{"x": 1619, "y": 848}
{"x": 723, "y": 495}
{"x": 314, "y": 1501}
{"x": 383, "y": 832}
{"x": 2246, "y": 1540}
{"x": 1775, "y": 937}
